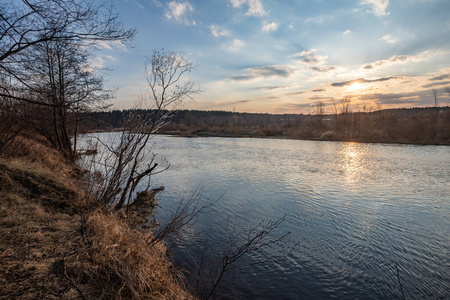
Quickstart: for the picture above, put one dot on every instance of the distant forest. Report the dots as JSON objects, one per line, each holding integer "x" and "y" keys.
{"x": 429, "y": 125}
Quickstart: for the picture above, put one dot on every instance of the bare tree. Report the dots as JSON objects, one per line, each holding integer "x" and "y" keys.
{"x": 43, "y": 45}
{"x": 12, "y": 116}
{"x": 319, "y": 110}
{"x": 61, "y": 77}
{"x": 345, "y": 105}
{"x": 130, "y": 160}
{"x": 28, "y": 23}
{"x": 435, "y": 116}
{"x": 435, "y": 97}
{"x": 164, "y": 71}
{"x": 365, "y": 108}
{"x": 379, "y": 107}
{"x": 335, "y": 110}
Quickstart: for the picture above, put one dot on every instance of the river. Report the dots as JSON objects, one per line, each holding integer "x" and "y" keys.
{"x": 353, "y": 211}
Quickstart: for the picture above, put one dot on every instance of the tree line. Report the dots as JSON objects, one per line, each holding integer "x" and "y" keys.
{"x": 425, "y": 125}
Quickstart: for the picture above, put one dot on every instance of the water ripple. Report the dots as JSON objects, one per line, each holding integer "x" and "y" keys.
{"x": 355, "y": 210}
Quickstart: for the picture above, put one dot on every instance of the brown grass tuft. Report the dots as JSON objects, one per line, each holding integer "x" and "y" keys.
{"x": 35, "y": 151}
{"x": 119, "y": 264}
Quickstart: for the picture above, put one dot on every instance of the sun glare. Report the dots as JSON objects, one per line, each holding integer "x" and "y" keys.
{"x": 355, "y": 87}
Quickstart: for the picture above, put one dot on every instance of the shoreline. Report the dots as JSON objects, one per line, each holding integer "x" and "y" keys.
{"x": 206, "y": 135}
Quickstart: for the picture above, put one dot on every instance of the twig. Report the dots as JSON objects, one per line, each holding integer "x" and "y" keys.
{"x": 83, "y": 230}
{"x": 200, "y": 267}
{"x": 71, "y": 281}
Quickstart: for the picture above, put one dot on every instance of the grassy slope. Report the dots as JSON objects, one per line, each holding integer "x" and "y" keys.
{"x": 42, "y": 251}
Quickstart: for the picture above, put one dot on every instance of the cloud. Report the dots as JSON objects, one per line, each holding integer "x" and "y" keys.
{"x": 269, "y": 71}
{"x": 97, "y": 63}
{"x": 179, "y": 11}
{"x": 217, "y": 31}
{"x": 270, "y": 88}
{"x": 137, "y": 4}
{"x": 294, "y": 106}
{"x": 389, "y": 38}
{"x": 255, "y": 7}
{"x": 378, "y": 7}
{"x": 402, "y": 59}
{"x": 392, "y": 98}
{"x": 296, "y": 93}
{"x": 436, "y": 84}
{"x": 265, "y": 72}
{"x": 315, "y": 61}
{"x": 440, "y": 77}
{"x": 235, "y": 45}
{"x": 112, "y": 45}
{"x": 157, "y": 3}
{"x": 244, "y": 101}
{"x": 237, "y": 3}
{"x": 319, "y": 98}
{"x": 242, "y": 77}
{"x": 110, "y": 57}
{"x": 416, "y": 98}
{"x": 346, "y": 32}
{"x": 270, "y": 26}
{"x": 310, "y": 57}
{"x": 361, "y": 80}
{"x": 238, "y": 43}
{"x": 319, "y": 19}
{"x": 322, "y": 69}
{"x": 318, "y": 90}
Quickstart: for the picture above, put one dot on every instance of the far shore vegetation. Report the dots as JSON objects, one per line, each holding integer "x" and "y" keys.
{"x": 420, "y": 125}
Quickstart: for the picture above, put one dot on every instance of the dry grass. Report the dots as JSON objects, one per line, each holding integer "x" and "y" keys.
{"x": 119, "y": 264}
{"x": 32, "y": 155}
{"x": 37, "y": 152}
{"x": 43, "y": 254}
{"x": 32, "y": 238}
{"x": 38, "y": 223}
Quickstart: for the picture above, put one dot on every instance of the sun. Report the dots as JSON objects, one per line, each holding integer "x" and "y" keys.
{"x": 355, "y": 87}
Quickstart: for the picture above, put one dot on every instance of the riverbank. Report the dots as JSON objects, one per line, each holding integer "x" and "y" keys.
{"x": 55, "y": 243}
{"x": 330, "y": 137}
{"x": 420, "y": 126}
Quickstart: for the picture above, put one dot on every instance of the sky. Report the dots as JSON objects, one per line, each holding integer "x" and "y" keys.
{"x": 286, "y": 56}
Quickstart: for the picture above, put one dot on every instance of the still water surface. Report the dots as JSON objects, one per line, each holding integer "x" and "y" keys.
{"x": 354, "y": 211}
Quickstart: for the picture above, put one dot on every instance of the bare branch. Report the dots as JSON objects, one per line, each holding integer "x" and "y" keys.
{"x": 256, "y": 238}
{"x": 129, "y": 158}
